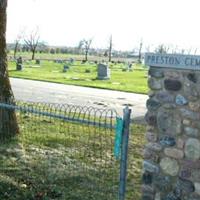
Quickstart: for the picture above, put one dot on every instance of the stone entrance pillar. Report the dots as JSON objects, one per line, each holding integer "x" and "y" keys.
{"x": 171, "y": 168}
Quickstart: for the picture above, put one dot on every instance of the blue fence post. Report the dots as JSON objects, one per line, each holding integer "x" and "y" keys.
{"x": 124, "y": 153}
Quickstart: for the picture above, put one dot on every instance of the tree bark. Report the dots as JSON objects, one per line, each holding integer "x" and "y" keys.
{"x": 86, "y": 55}
{"x": 8, "y": 120}
{"x": 110, "y": 49}
{"x": 15, "y": 49}
{"x": 140, "y": 52}
{"x": 33, "y": 54}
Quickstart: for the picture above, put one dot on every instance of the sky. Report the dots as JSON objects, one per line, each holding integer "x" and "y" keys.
{"x": 66, "y": 22}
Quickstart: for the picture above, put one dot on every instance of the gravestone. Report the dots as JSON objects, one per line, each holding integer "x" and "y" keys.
{"x": 103, "y": 72}
{"x": 65, "y": 68}
{"x": 59, "y": 61}
{"x": 19, "y": 64}
{"x": 173, "y": 115}
{"x": 37, "y": 62}
{"x": 83, "y": 61}
{"x": 130, "y": 67}
{"x": 71, "y": 60}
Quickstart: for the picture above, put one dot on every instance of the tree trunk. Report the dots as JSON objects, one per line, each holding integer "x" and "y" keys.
{"x": 140, "y": 52}
{"x": 15, "y": 49}
{"x": 86, "y": 56}
{"x": 8, "y": 120}
{"x": 110, "y": 57}
{"x": 33, "y": 54}
{"x": 110, "y": 49}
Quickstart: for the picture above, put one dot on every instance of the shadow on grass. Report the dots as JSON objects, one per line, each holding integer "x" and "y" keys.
{"x": 9, "y": 190}
{"x": 40, "y": 173}
{"x": 14, "y": 70}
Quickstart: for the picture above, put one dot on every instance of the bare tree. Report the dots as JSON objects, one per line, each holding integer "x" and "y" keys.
{"x": 162, "y": 49}
{"x": 140, "y": 51}
{"x": 8, "y": 120}
{"x": 110, "y": 49}
{"x": 195, "y": 51}
{"x": 17, "y": 42}
{"x": 174, "y": 50}
{"x": 85, "y": 45}
{"x": 43, "y": 47}
{"x": 182, "y": 51}
{"x": 148, "y": 48}
{"x": 32, "y": 42}
{"x": 190, "y": 50}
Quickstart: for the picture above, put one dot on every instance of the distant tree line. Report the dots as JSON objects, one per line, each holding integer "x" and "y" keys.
{"x": 31, "y": 43}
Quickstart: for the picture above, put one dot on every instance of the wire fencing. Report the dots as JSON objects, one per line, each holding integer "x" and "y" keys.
{"x": 71, "y": 148}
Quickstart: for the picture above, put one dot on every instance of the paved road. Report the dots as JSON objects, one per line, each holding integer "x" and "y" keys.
{"x": 39, "y": 91}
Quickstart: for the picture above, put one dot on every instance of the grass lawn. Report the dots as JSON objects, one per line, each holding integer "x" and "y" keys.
{"x": 84, "y": 75}
{"x": 45, "y": 163}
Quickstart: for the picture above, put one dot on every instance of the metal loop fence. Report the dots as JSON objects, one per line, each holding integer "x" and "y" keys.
{"x": 71, "y": 148}
{"x": 67, "y": 112}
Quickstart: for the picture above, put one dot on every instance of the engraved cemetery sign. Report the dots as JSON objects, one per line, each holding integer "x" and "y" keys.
{"x": 177, "y": 61}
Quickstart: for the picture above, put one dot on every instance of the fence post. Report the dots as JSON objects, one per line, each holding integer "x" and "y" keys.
{"x": 124, "y": 153}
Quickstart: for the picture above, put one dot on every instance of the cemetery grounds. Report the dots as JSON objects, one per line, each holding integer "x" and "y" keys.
{"x": 84, "y": 74}
{"x": 20, "y": 182}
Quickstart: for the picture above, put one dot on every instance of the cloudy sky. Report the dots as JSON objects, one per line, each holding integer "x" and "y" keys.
{"x": 66, "y": 22}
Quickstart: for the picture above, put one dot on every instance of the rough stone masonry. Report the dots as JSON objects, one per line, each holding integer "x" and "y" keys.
{"x": 171, "y": 168}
